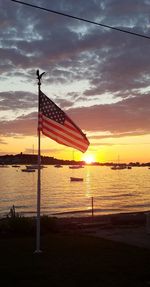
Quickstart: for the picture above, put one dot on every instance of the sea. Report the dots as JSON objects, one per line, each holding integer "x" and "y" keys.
{"x": 102, "y": 191}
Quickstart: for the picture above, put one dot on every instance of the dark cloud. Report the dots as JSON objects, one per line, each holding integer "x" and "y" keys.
{"x": 23, "y": 125}
{"x": 17, "y": 100}
{"x": 63, "y": 104}
{"x": 127, "y": 116}
{"x": 35, "y": 38}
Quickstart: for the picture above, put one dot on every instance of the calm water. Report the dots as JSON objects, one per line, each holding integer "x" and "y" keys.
{"x": 113, "y": 191}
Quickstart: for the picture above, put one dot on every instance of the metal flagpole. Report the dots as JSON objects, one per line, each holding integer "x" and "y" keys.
{"x": 39, "y": 171}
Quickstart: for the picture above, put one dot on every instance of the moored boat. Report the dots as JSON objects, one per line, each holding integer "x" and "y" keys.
{"x": 28, "y": 170}
{"x": 34, "y": 166}
{"x": 15, "y": 165}
{"x": 58, "y": 165}
{"x": 76, "y": 178}
{"x": 76, "y": 166}
{"x": 119, "y": 167}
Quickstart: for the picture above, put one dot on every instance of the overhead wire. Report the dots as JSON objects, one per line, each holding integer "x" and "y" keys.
{"x": 82, "y": 19}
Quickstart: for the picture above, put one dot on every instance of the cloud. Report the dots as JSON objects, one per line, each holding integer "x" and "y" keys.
{"x": 17, "y": 100}
{"x": 51, "y": 150}
{"x": 63, "y": 104}
{"x": 24, "y": 125}
{"x": 107, "y": 72}
{"x": 2, "y": 142}
{"x": 71, "y": 50}
{"x": 118, "y": 135}
{"x": 125, "y": 118}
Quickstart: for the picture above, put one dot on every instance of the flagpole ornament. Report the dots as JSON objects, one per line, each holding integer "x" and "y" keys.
{"x": 39, "y": 76}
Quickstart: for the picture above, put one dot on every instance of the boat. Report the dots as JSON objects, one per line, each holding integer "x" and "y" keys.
{"x": 15, "y": 165}
{"x": 129, "y": 167}
{"x": 58, "y": 165}
{"x": 76, "y": 178}
{"x": 119, "y": 167}
{"x": 34, "y": 166}
{"x": 28, "y": 170}
{"x": 76, "y": 166}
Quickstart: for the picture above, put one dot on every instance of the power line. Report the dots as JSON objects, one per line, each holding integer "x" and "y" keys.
{"x": 82, "y": 19}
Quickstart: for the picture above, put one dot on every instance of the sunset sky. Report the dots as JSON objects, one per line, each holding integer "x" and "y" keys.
{"x": 98, "y": 76}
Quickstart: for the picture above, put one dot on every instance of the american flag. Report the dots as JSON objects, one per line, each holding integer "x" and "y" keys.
{"x": 55, "y": 124}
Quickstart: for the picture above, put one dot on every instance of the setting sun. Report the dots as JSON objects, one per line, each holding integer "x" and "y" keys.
{"x": 88, "y": 158}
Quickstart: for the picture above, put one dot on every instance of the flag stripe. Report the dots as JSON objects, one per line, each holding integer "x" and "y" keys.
{"x": 72, "y": 126}
{"x": 62, "y": 136}
{"x": 62, "y": 128}
{"x": 63, "y": 140}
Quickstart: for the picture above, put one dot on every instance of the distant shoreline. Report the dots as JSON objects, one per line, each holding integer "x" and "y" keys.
{"x": 32, "y": 159}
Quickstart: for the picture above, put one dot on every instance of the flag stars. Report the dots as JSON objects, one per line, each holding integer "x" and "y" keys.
{"x": 50, "y": 110}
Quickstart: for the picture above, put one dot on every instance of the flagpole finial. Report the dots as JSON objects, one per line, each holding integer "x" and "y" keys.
{"x": 39, "y": 76}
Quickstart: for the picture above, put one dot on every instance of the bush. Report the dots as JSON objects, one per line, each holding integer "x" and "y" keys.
{"x": 26, "y": 226}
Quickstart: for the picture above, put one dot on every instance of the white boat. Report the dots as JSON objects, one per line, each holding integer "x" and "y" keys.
{"x": 76, "y": 178}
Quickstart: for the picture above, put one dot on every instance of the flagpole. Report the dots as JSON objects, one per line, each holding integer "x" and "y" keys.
{"x": 39, "y": 172}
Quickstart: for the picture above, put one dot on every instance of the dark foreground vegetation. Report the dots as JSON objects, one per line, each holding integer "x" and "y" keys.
{"x": 68, "y": 258}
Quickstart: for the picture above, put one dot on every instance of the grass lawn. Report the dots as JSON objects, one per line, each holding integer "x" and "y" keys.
{"x": 72, "y": 260}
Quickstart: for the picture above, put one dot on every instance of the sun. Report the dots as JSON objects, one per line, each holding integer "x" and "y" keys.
{"x": 88, "y": 158}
